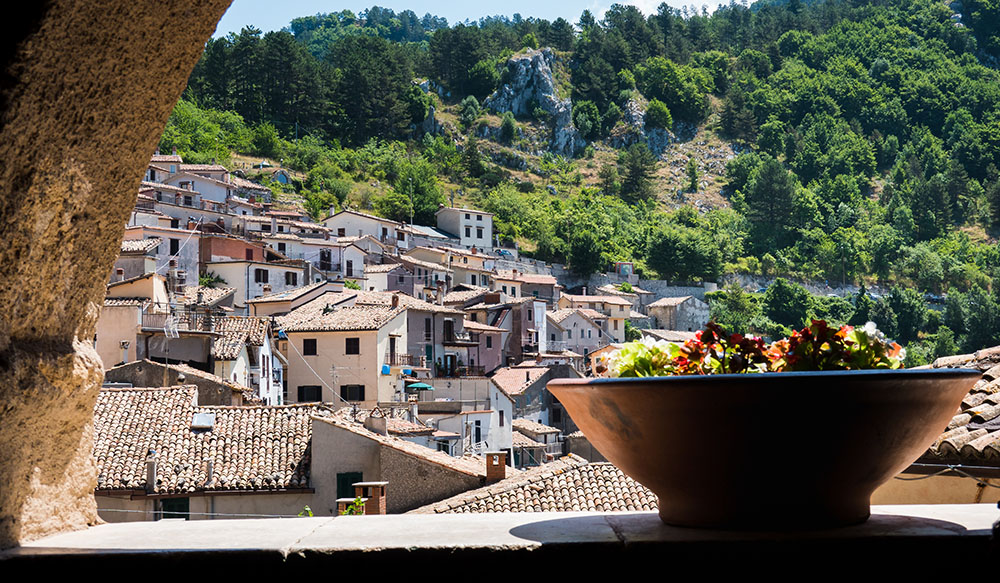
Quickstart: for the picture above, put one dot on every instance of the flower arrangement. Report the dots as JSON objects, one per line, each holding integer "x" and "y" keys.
{"x": 713, "y": 351}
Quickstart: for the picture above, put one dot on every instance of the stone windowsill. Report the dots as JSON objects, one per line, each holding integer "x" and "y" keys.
{"x": 547, "y": 543}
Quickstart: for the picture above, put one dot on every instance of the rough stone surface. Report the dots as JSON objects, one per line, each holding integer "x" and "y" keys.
{"x": 634, "y": 130}
{"x": 530, "y": 81}
{"x": 85, "y": 90}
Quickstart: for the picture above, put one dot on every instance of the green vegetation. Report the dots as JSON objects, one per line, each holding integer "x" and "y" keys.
{"x": 867, "y": 134}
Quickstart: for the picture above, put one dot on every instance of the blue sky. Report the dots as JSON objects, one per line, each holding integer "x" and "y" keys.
{"x": 269, "y": 15}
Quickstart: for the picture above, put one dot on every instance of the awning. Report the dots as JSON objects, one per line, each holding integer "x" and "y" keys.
{"x": 420, "y": 386}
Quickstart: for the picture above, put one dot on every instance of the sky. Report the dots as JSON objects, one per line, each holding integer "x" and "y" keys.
{"x": 269, "y": 15}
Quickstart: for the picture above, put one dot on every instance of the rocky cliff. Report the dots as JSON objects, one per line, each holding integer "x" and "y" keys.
{"x": 633, "y": 129}
{"x": 529, "y": 84}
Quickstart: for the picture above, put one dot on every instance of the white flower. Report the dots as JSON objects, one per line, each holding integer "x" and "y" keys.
{"x": 870, "y": 328}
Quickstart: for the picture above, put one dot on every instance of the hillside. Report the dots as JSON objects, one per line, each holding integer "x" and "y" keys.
{"x": 839, "y": 141}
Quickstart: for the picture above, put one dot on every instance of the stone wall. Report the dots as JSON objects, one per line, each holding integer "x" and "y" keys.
{"x": 85, "y": 90}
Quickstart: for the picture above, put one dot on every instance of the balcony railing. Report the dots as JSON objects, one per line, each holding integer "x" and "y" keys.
{"x": 183, "y": 321}
{"x": 399, "y": 359}
{"x": 557, "y": 345}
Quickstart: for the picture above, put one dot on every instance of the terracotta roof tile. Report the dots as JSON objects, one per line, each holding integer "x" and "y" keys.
{"x": 529, "y": 426}
{"x": 375, "y": 298}
{"x": 120, "y": 302}
{"x": 140, "y": 245}
{"x": 383, "y": 268}
{"x": 519, "y": 439}
{"x": 973, "y": 435}
{"x": 320, "y": 315}
{"x": 209, "y": 295}
{"x": 202, "y": 167}
{"x": 615, "y": 300}
{"x": 251, "y": 448}
{"x": 514, "y": 381}
{"x": 569, "y": 484}
{"x": 253, "y": 329}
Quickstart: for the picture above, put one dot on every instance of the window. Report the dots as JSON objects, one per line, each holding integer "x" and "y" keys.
{"x": 341, "y": 232}
{"x": 556, "y": 415}
{"x": 352, "y": 392}
{"x": 309, "y": 347}
{"x": 291, "y": 278}
{"x": 249, "y": 254}
{"x": 310, "y": 393}
{"x": 468, "y": 231}
{"x": 175, "y": 246}
{"x": 352, "y": 346}
{"x": 187, "y": 200}
{"x": 345, "y": 483}
{"x": 504, "y": 289}
{"x": 479, "y": 217}
{"x": 569, "y": 334}
{"x": 281, "y": 248}
{"x": 281, "y": 228}
{"x": 479, "y": 232}
{"x": 474, "y": 317}
{"x": 401, "y": 236}
{"x": 350, "y": 268}
{"x": 260, "y": 275}
{"x": 590, "y": 333}
{"x": 401, "y": 278}
{"x": 175, "y": 508}
{"x": 530, "y": 315}
{"x": 472, "y": 279}
{"x": 616, "y": 324}
{"x": 467, "y": 216}
{"x": 175, "y": 223}
{"x": 501, "y": 418}
{"x": 489, "y": 342}
{"x": 265, "y": 228}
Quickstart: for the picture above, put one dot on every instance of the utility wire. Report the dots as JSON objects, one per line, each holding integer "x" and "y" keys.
{"x": 951, "y": 468}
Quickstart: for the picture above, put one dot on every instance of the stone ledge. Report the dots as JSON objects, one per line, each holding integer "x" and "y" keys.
{"x": 547, "y": 543}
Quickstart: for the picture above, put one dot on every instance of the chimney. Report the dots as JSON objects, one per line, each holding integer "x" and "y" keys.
{"x": 333, "y": 209}
{"x": 174, "y": 150}
{"x": 151, "y": 471}
{"x": 252, "y": 199}
{"x": 413, "y": 409}
{"x": 209, "y": 473}
{"x": 191, "y": 225}
{"x": 584, "y": 290}
{"x": 373, "y": 493}
{"x": 496, "y": 466}
{"x": 120, "y": 273}
{"x": 473, "y": 249}
{"x": 440, "y": 293}
{"x": 326, "y": 235}
{"x": 395, "y": 300}
{"x": 527, "y": 374}
{"x": 274, "y": 224}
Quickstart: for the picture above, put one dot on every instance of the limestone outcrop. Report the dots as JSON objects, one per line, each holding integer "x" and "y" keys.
{"x": 85, "y": 90}
{"x": 530, "y": 83}
{"x": 633, "y": 129}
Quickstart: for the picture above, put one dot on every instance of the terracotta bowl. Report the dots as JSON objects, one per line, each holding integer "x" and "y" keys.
{"x": 766, "y": 451}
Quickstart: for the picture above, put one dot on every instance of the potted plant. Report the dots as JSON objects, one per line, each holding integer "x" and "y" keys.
{"x": 731, "y": 432}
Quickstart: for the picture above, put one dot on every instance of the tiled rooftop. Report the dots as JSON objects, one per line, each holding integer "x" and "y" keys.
{"x": 383, "y": 267}
{"x": 375, "y": 298}
{"x": 140, "y": 245}
{"x": 514, "y": 380}
{"x": 614, "y": 300}
{"x": 252, "y": 448}
{"x": 567, "y": 484}
{"x": 122, "y": 302}
{"x": 321, "y": 315}
{"x": 973, "y": 436}
{"x": 253, "y": 329}
{"x": 209, "y": 295}
{"x": 668, "y": 335}
{"x": 519, "y": 439}
{"x": 529, "y": 426}
{"x": 666, "y": 302}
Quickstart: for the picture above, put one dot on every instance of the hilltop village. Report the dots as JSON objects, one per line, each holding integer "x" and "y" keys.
{"x": 409, "y": 346}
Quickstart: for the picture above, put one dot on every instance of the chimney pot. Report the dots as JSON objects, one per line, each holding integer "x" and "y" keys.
{"x": 395, "y": 300}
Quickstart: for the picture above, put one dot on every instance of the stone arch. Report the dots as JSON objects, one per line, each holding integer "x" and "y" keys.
{"x": 85, "y": 90}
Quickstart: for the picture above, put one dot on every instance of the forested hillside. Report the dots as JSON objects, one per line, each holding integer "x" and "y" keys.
{"x": 839, "y": 140}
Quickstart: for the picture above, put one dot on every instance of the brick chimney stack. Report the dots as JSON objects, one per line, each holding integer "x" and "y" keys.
{"x": 374, "y": 495}
{"x": 496, "y": 466}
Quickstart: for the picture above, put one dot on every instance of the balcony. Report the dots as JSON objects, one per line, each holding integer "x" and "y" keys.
{"x": 185, "y": 321}
{"x": 460, "y": 339}
{"x": 400, "y": 359}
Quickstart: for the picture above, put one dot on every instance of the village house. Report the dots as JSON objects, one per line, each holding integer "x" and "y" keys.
{"x": 574, "y": 330}
{"x": 549, "y": 438}
{"x": 160, "y": 454}
{"x": 245, "y": 351}
{"x": 389, "y": 277}
{"x": 212, "y": 389}
{"x": 350, "y": 223}
{"x": 344, "y": 354}
{"x": 686, "y": 313}
{"x": 253, "y": 279}
{"x": 177, "y": 255}
{"x": 470, "y": 226}
{"x": 616, "y": 308}
{"x": 137, "y": 256}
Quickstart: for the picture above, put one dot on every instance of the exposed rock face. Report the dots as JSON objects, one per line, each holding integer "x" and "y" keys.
{"x": 530, "y": 81}
{"x": 85, "y": 90}
{"x": 634, "y": 130}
